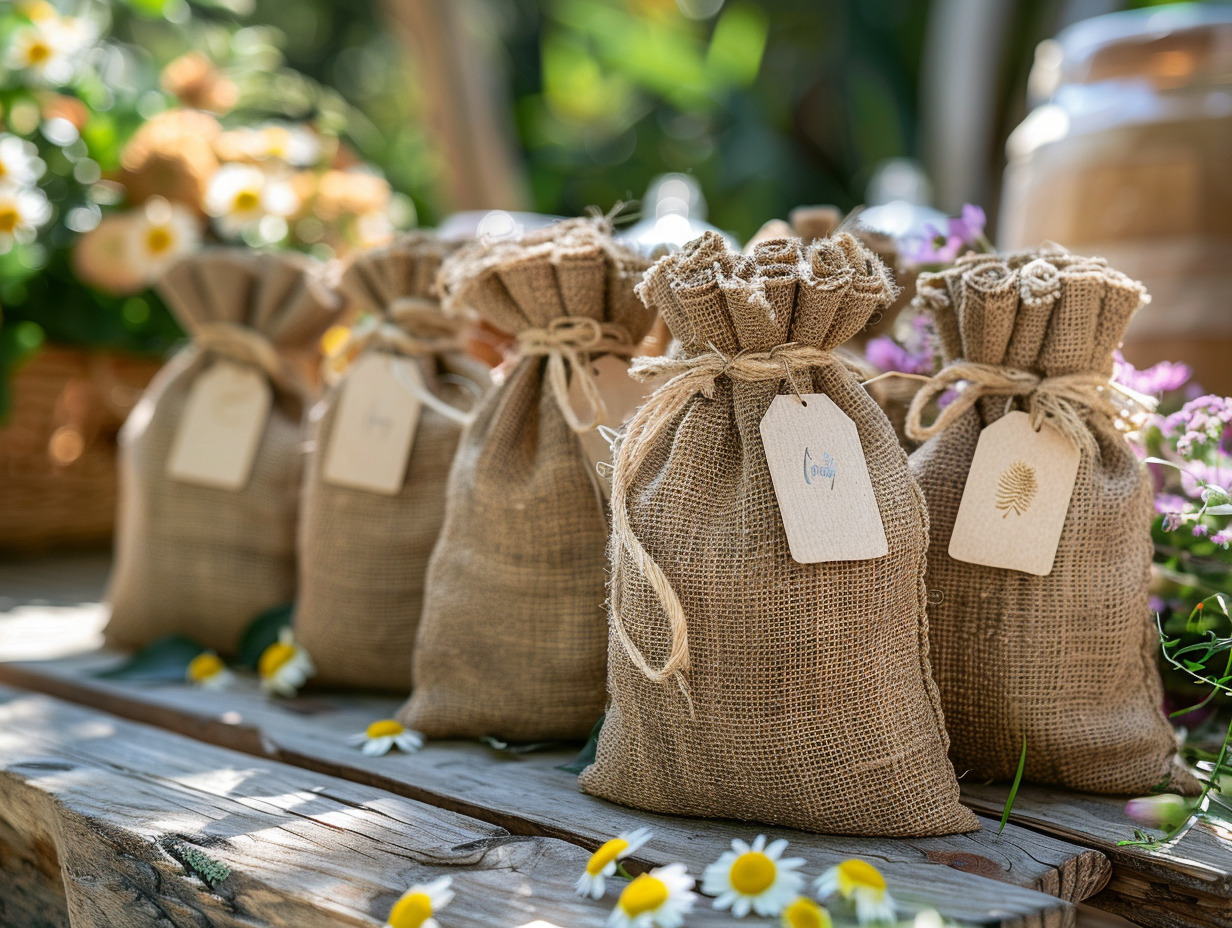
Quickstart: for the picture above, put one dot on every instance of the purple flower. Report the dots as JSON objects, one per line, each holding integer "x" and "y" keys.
{"x": 1154, "y": 380}
{"x": 1165, "y": 811}
{"x": 1170, "y": 502}
{"x": 969, "y": 226}
{"x": 939, "y": 246}
{"x": 1171, "y": 521}
{"x": 886, "y": 354}
{"x": 1199, "y": 425}
{"x": 1200, "y": 531}
{"x": 1222, "y": 538}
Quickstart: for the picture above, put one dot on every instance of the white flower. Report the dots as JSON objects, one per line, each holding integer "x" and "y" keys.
{"x": 207, "y": 671}
{"x": 603, "y": 862}
{"x": 382, "y": 735}
{"x": 803, "y": 912}
{"x": 46, "y": 49}
{"x": 419, "y": 904}
{"x": 240, "y": 195}
{"x": 754, "y": 878}
{"x": 161, "y": 234}
{"x": 22, "y": 211}
{"x": 20, "y": 164}
{"x": 658, "y": 899}
{"x": 296, "y": 145}
{"x": 861, "y": 883}
{"x": 284, "y": 666}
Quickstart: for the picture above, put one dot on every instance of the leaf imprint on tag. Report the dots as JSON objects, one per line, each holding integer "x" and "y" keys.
{"x": 1016, "y": 488}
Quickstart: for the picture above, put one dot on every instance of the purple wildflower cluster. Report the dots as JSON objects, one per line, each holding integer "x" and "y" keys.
{"x": 915, "y": 353}
{"x": 1201, "y": 428}
{"x": 939, "y": 246}
{"x": 1155, "y": 380}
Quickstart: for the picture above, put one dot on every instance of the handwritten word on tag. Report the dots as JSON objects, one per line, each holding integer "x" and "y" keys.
{"x": 221, "y": 427}
{"x": 1017, "y": 495}
{"x": 375, "y": 426}
{"x": 622, "y": 395}
{"x": 821, "y": 481}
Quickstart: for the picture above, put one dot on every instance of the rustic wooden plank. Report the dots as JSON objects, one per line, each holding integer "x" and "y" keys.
{"x": 116, "y": 812}
{"x": 1187, "y": 884}
{"x": 527, "y": 795}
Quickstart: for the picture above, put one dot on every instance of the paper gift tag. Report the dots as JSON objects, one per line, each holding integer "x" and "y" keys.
{"x": 375, "y": 425}
{"x": 821, "y": 481}
{"x": 622, "y": 395}
{"x": 221, "y": 427}
{"x": 1017, "y": 495}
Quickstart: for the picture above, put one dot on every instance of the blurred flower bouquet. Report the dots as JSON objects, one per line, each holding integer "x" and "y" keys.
{"x": 124, "y": 145}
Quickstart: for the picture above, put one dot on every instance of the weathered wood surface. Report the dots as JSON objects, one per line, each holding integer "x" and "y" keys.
{"x": 1187, "y": 884}
{"x": 100, "y": 820}
{"x": 527, "y": 795}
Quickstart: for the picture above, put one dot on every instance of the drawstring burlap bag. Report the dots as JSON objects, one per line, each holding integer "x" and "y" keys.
{"x": 513, "y": 634}
{"x": 197, "y": 560}
{"x": 1066, "y": 661}
{"x": 744, "y": 684}
{"x": 363, "y": 554}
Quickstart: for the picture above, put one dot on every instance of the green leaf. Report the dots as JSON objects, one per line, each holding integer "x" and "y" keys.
{"x": 528, "y": 747}
{"x": 263, "y": 632}
{"x": 586, "y": 756}
{"x": 163, "y": 661}
{"x": 1009, "y": 800}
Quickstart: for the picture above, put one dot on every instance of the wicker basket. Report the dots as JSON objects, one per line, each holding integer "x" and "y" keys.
{"x": 58, "y": 447}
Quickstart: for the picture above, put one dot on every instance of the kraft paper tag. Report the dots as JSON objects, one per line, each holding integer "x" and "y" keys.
{"x": 622, "y": 395}
{"x": 375, "y": 426}
{"x": 221, "y": 427}
{"x": 1017, "y": 495}
{"x": 821, "y": 481}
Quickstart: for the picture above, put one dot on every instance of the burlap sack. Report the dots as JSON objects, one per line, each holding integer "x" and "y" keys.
{"x": 363, "y": 555}
{"x": 197, "y": 560}
{"x": 1065, "y": 661}
{"x": 766, "y": 689}
{"x": 513, "y": 634}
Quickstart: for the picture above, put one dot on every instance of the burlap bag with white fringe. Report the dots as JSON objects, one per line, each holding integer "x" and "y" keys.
{"x": 742, "y": 683}
{"x": 363, "y": 555}
{"x": 197, "y": 560}
{"x": 1066, "y": 661}
{"x": 513, "y": 633}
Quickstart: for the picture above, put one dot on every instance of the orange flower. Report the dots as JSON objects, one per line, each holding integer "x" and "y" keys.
{"x": 102, "y": 257}
{"x": 350, "y": 193}
{"x": 171, "y": 156}
{"x": 194, "y": 80}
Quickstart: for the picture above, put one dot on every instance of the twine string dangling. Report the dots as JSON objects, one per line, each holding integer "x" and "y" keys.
{"x": 689, "y": 376}
{"x": 248, "y": 346}
{"x": 569, "y": 343}
{"x": 1065, "y": 401}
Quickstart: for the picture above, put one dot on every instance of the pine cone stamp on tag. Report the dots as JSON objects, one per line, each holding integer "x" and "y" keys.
{"x": 1016, "y": 488}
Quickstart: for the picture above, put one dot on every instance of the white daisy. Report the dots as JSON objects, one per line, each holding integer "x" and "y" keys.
{"x": 603, "y": 862}
{"x": 284, "y": 666}
{"x": 240, "y": 195}
{"x": 45, "y": 50}
{"x": 861, "y": 883}
{"x": 22, "y": 211}
{"x": 20, "y": 164}
{"x": 380, "y": 736}
{"x": 658, "y": 899}
{"x": 208, "y": 671}
{"x": 803, "y": 912}
{"x": 294, "y": 144}
{"x": 161, "y": 234}
{"x": 752, "y": 877}
{"x": 418, "y": 906}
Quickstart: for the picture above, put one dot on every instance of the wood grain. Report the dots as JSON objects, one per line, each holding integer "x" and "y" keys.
{"x": 527, "y": 795}
{"x": 120, "y": 808}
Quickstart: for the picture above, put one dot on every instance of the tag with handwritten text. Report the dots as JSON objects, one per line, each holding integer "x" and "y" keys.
{"x": 821, "y": 481}
{"x": 1016, "y": 498}
{"x": 221, "y": 427}
{"x": 374, "y": 428}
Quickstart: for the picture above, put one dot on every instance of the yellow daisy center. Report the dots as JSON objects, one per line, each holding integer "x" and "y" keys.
{"x": 158, "y": 239}
{"x": 204, "y": 666}
{"x": 37, "y": 52}
{"x": 9, "y": 218}
{"x": 274, "y": 658}
{"x": 411, "y": 911}
{"x": 246, "y": 201}
{"x": 645, "y": 894}
{"x": 605, "y": 855}
{"x": 385, "y": 728}
{"x": 753, "y": 873}
{"x": 4, "y": 169}
{"x": 805, "y": 913}
{"x": 856, "y": 875}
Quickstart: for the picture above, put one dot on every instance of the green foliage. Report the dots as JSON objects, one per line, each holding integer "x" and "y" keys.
{"x": 1009, "y": 800}
{"x": 211, "y": 872}
{"x": 263, "y": 632}
{"x": 163, "y": 661}
{"x": 586, "y": 756}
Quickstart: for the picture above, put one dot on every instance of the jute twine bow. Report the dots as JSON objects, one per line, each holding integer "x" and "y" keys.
{"x": 435, "y": 333}
{"x": 249, "y": 346}
{"x": 568, "y": 343}
{"x": 690, "y": 376}
{"x": 1065, "y": 401}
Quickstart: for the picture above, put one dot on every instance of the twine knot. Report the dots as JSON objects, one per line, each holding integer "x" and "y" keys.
{"x": 248, "y": 346}
{"x": 568, "y": 343}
